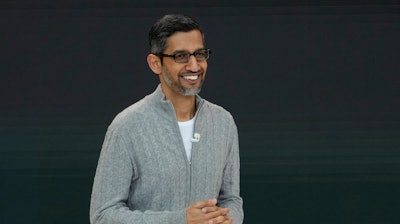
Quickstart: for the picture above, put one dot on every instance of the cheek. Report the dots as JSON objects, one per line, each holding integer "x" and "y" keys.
{"x": 204, "y": 67}
{"x": 175, "y": 68}
{"x": 171, "y": 70}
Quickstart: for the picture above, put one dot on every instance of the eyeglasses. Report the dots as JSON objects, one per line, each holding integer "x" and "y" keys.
{"x": 184, "y": 56}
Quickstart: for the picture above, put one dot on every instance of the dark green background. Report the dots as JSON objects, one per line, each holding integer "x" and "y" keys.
{"x": 314, "y": 89}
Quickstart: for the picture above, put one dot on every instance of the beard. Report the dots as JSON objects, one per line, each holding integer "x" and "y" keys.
{"x": 177, "y": 86}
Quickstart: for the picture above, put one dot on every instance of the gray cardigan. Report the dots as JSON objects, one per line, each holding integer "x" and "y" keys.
{"x": 143, "y": 174}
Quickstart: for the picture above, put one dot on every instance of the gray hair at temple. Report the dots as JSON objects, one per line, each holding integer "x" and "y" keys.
{"x": 166, "y": 27}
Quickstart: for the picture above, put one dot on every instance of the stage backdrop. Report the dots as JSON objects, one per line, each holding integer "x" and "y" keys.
{"x": 314, "y": 89}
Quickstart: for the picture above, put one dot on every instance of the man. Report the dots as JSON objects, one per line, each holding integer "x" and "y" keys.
{"x": 172, "y": 157}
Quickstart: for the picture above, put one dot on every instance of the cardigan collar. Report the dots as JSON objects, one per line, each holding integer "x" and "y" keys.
{"x": 159, "y": 100}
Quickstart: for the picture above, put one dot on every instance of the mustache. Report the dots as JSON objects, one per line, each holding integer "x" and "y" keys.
{"x": 201, "y": 72}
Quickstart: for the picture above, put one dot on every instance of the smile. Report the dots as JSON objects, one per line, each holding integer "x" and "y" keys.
{"x": 190, "y": 77}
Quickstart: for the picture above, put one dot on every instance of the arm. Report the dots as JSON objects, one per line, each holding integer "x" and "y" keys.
{"x": 114, "y": 175}
{"x": 229, "y": 196}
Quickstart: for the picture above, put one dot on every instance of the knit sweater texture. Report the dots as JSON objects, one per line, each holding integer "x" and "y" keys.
{"x": 143, "y": 175}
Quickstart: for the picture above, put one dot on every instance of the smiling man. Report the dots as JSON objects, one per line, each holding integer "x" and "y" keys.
{"x": 172, "y": 157}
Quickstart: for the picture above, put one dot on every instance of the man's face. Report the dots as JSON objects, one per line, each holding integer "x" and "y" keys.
{"x": 183, "y": 78}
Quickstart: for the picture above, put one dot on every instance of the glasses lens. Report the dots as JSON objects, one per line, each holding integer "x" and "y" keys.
{"x": 201, "y": 55}
{"x": 182, "y": 57}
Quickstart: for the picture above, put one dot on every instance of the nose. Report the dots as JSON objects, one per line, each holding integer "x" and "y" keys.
{"x": 192, "y": 64}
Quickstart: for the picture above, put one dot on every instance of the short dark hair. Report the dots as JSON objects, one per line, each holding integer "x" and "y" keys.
{"x": 166, "y": 27}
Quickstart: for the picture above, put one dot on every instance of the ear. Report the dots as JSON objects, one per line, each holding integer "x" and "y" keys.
{"x": 154, "y": 63}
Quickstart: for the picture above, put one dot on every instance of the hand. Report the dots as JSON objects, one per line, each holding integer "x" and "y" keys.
{"x": 224, "y": 219}
{"x": 206, "y": 212}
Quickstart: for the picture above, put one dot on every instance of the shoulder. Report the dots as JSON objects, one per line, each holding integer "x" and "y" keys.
{"x": 132, "y": 115}
{"x": 217, "y": 111}
{"x": 212, "y": 107}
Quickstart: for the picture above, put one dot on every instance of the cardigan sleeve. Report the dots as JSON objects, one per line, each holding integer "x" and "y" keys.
{"x": 114, "y": 174}
{"x": 229, "y": 196}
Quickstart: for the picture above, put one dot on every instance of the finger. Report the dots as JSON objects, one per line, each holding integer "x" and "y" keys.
{"x": 213, "y": 209}
{"x": 210, "y": 209}
{"x": 228, "y": 221}
{"x": 219, "y": 212}
{"x": 218, "y": 220}
{"x": 206, "y": 203}
{"x": 212, "y": 202}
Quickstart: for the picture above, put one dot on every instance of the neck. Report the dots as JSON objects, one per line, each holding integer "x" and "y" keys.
{"x": 185, "y": 110}
{"x": 184, "y": 106}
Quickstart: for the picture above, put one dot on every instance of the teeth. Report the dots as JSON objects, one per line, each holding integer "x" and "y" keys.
{"x": 191, "y": 77}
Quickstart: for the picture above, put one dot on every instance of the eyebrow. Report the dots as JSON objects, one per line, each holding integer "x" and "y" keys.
{"x": 183, "y": 51}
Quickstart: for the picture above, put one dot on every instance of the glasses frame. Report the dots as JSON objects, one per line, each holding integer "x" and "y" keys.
{"x": 207, "y": 52}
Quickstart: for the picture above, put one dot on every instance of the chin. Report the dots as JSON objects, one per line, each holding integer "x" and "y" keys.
{"x": 190, "y": 92}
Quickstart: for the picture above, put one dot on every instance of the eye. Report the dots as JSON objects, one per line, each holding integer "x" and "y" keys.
{"x": 200, "y": 54}
{"x": 180, "y": 56}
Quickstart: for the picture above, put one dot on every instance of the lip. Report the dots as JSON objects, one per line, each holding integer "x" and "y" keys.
{"x": 191, "y": 77}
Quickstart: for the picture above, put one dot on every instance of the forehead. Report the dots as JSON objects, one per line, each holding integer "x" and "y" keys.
{"x": 185, "y": 41}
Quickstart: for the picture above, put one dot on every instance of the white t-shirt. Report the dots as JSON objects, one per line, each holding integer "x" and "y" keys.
{"x": 187, "y": 128}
